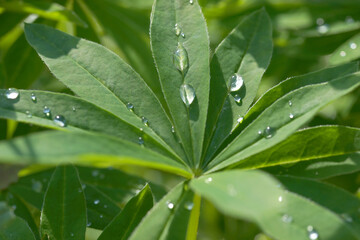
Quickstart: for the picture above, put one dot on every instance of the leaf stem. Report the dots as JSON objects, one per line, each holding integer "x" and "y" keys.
{"x": 194, "y": 219}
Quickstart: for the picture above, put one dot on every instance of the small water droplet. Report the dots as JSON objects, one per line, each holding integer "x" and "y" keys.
{"x": 182, "y": 35}
{"x": 291, "y": 116}
{"x": 60, "y": 121}
{"x": 172, "y": 129}
{"x": 323, "y": 28}
{"x": 145, "y": 121}
{"x": 12, "y": 93}
{"x": 96, "y": 202}
{"x": 74, "y": 109}
{"x": 71, "y": 234}
{"x": 47, "y": 111}
{"x": 353, "y": 45}
{"x": 28, "y": 114}
{"x": 130, "y": 107}
{"x": 286, "y": 218}
{"x": 177, "y": 29}
{"x": 141, "y": 141}
{"x": 280, "y": 198}
{"x": 320, "y": 21}
{"x": 33, "y": 98}
{"x": 240, "y": 119}
{"x": 101, "y": 216}
{"x": 312, "y": 233}
{"x": 191, "y": 2}
{"x": 187, "y": 94}
{"x": 170, "y": 205}
{"x": 237, "y": 98}
{"x": 342, "y": 53}
{"x": 13, "y": 207}
{"x": 88, "y": 224}
{"x": 349, "y": 19}
{"x": 290, "y": 103}
{"x": 95, "y": 173}
{"x": 236, "y": 82}
{"x": 189, "y": 206}
{"x": 269, "y": 132}
{"x": 346, "y": 217}
{"x": 181, "y": 59}
{"x": 36, "y": 185}
{"x": 141, "y": 129}
{"x": 260, "y": 132}
{"x": 208, "y": 180}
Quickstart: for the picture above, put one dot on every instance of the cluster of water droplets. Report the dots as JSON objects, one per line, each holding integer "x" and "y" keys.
{"x": 352, "y": 46}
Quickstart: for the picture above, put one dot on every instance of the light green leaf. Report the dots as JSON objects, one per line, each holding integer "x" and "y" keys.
{"x": 12, "y": 227}
{"x": 169, "y": 218}
{"x": 63, "y": 214}
{"x": 124, "y": 223}
{"x": 280, "y": 211}
{"x": 101, "y": 77}
{"x": 307, "y": 144}
{"x": 238, "y": 53}
{"x": 347, "y": 52}
{"x": 57, "y": 147}
{"x": 193, "y": 58}
{"x": 281, "y": 119}
{"x": 47, "y": 10}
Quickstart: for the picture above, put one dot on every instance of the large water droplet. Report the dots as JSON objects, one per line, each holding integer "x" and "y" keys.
{"x": 189, "y": 206}
{"x": 141, "y": 141}
{"x": 145, "y": 121}
{"x": 187, "y": 94}
{"x": 60, "y": 121}
{"x": 181, "y": 59}
{"x": 312, "y": 233}
{"x": 286, "y": 218}
{"x": 47, "y": 111}
{"x": 130, "y": 107}
{"x": 237, "y": 98}
{"x": 269, "y": 132}
{"x": 12, "y": 93}
{"x": 236, "y": 82}
{"x": 36, "y": 185}
{"x": 177, "y": 29}
{"x": 322, "y": 29}
{"x": 170, "y": 205}
{"x": 208, "y": 180}
{"x": 33, "y": 98}
{"x": 96, "y": 202}
{"x": 353, "y": 45}
{"x": 342, "y": 53}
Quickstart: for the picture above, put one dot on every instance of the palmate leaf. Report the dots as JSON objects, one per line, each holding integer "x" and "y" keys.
{"x": 189, "y": 121}
{"x": 238, "y": 53}
{"x": 283, "y": 211}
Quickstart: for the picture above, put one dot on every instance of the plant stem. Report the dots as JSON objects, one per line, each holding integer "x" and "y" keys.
{"x": 194, "y": 219}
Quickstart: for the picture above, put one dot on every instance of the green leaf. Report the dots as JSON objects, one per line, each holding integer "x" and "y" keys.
{"x": 347, "y": 51}
{"x": 169, "y": 218}
{"x": 63, "y": 214}
{"x": 108, "y": 83}
{"x": 280, "y": 212}
{"x": 47, "y": 10}
{"x": 12, "y": 227}
{"x": 308, "y": 144}
{"x": 281, "y": 119}
{"x": 238, "y": 53}
{"x": 10, "y": 21}
{"x": 124, "y": 223}
{"x": 189, "y": 121}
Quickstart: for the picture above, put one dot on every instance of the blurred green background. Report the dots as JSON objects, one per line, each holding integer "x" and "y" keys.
{"x": 308, "y": 35}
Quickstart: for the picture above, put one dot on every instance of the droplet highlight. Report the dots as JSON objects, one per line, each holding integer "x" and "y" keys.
{"x": 181, "y": 59}
{"x": 141, "y": 141}
{"x": 145, "y": 121}
{"x": 237, "y": 98}
{"x": 208, "y": 180}
{"x": 170, "y": 205}
{"x": 280, "y": 198}
{"x": 130, "y": 107}
{"x": 28, "y": 114}
{"x": 191, "y": 2}
{"x": 60, "y": 121}
{"x": 291, "y": 116}
{"x": 33, "y": 98}
{"x": 189, "y": 206}
{"x": 269, "y": 132}
{"x": 177, "y": 29}
{"x": 342, "y": 53}
{"x": 312, "y": 233}
{"x": 286, "y": 218}
{"x": 12, "y": 94}
{"x": 290, "y": 103}
{"x": 172, "y": 129}
{"x": 240, "y": 120}
{"x": 96, "y": 202}
{"x": 236, "y": 82}
{"x": 47, "y": 111}
{"x": 323, "y": 29}
{"x": 353, "y": 45}
{"x": 187, "y": 94}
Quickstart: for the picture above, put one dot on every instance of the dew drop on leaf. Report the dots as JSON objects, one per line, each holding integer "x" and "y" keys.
{"x": 269, "y": 132}
{"x": 130, "y": 107}
{"x": 33, "y": 98}
{"x": 349, "y": 20}
{"x": 312, "y": 233}
{"x": 170, "y": 205}
{"x": 322, "y": 29}
{"x": 101, "y": 216}
{"x": 181, "y": 59}
{"x": 342, "y": 53}
{"x": 237, "y": 98}
{"x": 96, "y": 202}
{"x": 280, "y": 198}
{"x": 182, "y": 35}
{"x": 60, "y": 121}
{"x": 353, "y": 45}
{"x": 290, "y": 103}
{"x": 177, "y": 29}
{"x": 47, "y": 111}
{"x": 88, "y": 224}
{"x": 191, "y": 2}
{"x": 187, "y": 94}
{"x": 141, "y": 141}
{"x": 36, "y": 185}
{"x": 28, "y": 114}
{"x": 74, "y": 109}
{"x": 189, "y": 205}
{"x": 12, "y": 94}
{"x": 145, "y": 121}
{"x": 208, "y": 180}
{"x": 291, "y": 116}
{"x": 236, "y": 82}
{"x": 72, "y": 234}
{"x": 260, "y": 132}
{"x": 286, "y": 218}
{"x": 320, "y": 21}
{"x": 172, "y": 129}
{"x": 240, "y": 120}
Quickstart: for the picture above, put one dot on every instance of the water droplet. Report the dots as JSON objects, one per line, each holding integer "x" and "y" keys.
{"x": 208, "y": 180}
{"x": 36, "y": 185}
{"x": 191, "y": 2}
{"x": 145, "y": 121}
{"x": 101, "y": 216}
{"x": 172, "y": 129}
{"x": 28, "y": 114}
{"x": 182, "y": 35}
{"x": 141, "y": 129}
{"x": 60, "y": 121}
{"x": 320, "y": 21}
{"x": 240, "y": 119}
{"x": 33, "y": 98}
{"x": 346, "y": 217}
{"x": 236, "y": 82}
{"x": 349, "y": 19}
{"x": 187, "y": 94}
{"x": 291, "y": 116}
{"x": 189, "y": 206}
{"x": 71, "y": 234}
{"x": 323, "y": 28}
{"x": 177, "y": 29}
{"x": 96, "y": 202}
{"x": 280, "y": 198}
{"x": 342, "y": 53}
{"x": 269, "y": 132}
{"x": 353, "y": 45}
{"x": 47, "y": 111}
{"x": 130, "y": 107}
{"x": 141, "y": 141}
{"x": 88, "y": 224}
{"x": 260, "y": 132}
{"x": 12, "y": 93}
{"x": 286, "y": 218}
{"x": 170, "y": 205}
{"x": 290, "y": 103}
{"x": 312, "y": 233}
{"x": 95, "y": 173}
{"x": 74, "y": 109}
{"x": 181, "y": 60}
{"x": 237, "y": 98}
